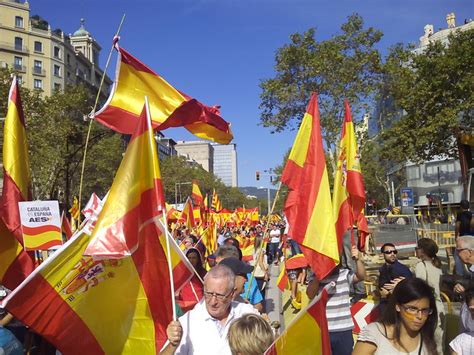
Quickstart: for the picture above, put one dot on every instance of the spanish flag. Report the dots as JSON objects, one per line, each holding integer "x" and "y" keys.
{"x": 307, "y": 334}
{"x": 169, "y": 107}
{"x": 109, "y": 293}
{"x": 196, "y": 194}
{"x": 308, "y": 206}
{"x": 187, "y": 214}
{"x": 349, "y": 191}
{"x": 15, "y": 263}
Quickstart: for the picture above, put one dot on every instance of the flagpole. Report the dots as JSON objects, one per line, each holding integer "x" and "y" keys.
{"x": 262, "y": 244}
{"x": 93, "y": 111}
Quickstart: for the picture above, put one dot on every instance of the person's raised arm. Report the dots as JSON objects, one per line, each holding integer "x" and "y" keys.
{"x": 360, "y": 267}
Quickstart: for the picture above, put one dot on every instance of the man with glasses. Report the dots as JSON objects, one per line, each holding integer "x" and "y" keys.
{"x": 203, "y": 330}
{"x": 465, "y": 250}
{"x": 391, "y": 273}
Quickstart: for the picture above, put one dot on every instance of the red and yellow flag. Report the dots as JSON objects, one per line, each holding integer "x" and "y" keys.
{"x": 349, "y": 191}
{"x": 308, "y": 206}
{"x": 118, "y": 300}
{"x": 196, "y": 194}
{"x": 169, "y": 107}
{"x": 187, "y": 214}
{"x": 216, "y": 204}
{"x": 308, "y": 333}
{"x": 15, "y": 263}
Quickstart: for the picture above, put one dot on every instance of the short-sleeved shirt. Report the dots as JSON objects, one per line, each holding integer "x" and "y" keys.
{"x": 338, "y": 312}
{"x": 255, "y": 296}
{"x": 202, "y": 334}
{"x": 465, "y": 219}
{"x": 374, "y": 333}
{"x": 463, "y": 344}
{"x": 275, "y": 236}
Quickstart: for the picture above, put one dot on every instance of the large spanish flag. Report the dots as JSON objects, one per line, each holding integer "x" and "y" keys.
{"x": 108, "y": 293}
{"x": 308, "y": 206}
{"x": 349, "y": 191}
{"x": 169, "y": 107}
{"x": 15, "y": 263}
{"x": 308, "y": 333}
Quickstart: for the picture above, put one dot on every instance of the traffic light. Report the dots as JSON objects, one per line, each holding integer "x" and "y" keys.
{"x": 257, "y": 175}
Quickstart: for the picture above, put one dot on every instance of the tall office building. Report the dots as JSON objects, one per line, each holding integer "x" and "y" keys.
{"x": 225, "y": 163}
{"x": 199, "y": 151}
{"x": 46, "y": 59}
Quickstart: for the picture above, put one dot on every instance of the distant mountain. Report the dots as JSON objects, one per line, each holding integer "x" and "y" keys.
{"x": 259, "y": 192}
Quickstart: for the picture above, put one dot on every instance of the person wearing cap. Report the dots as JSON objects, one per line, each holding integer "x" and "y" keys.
{"x": 204, "y": 329}
{"x": 240, "y": 270}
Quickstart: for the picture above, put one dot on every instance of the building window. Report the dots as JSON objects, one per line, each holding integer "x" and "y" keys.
{"x": 19, "y": 21}
{"x": 413, "y": 172}
{"x": 18, "y": 63}
{"x": 20, "y": 79}
{"x": 68, "y": 59}
{"x": 38, "y": 47}
{"x": 57, "y": 52}
{"x": 19, "y": 43}
{"x": 38, "y": 66}
{"x": 57, "y": 70}
{"x": 57, "y": 87}
{"x": 38, "y": 84}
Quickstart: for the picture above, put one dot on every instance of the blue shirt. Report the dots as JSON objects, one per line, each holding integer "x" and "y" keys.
{"x": 388, "y": 272}
{"x": 255, "y": 296}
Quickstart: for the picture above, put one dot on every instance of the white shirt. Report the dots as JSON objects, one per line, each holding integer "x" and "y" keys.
{"x": 275, "y": 236}
{"x": 203, "y": 334}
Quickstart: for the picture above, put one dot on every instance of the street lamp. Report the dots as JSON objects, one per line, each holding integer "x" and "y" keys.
{"x": 176, "y": 185}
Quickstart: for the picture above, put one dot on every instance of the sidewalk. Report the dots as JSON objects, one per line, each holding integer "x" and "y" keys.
{"x": 273, "y": 298}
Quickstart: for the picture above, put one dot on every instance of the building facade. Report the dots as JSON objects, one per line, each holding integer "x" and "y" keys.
{"x": 225, "y": 163}
{"x": 165, "y": 145}
{"x": 46, "y": 59}
{"x": 199, "y": 151}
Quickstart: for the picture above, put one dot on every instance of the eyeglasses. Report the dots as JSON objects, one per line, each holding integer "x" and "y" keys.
{"x": 413, "y": 310}
{"x": 219, "y": 296}
{"x": 387, "y": 252}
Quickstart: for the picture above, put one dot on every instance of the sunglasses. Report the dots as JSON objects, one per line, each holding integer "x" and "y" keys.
{"x": 387, "y": 252}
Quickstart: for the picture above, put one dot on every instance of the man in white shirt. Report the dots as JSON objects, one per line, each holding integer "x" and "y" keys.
{"x": 204, "y": 329}
{"x": 273, "y": 246}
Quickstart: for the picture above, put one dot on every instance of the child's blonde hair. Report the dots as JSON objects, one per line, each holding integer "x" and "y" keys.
{"x": 250, "y": 335}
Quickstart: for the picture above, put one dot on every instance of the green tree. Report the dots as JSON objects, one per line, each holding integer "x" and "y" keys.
{"x": 433, "y": 93}
{"x": 344, "y": 66}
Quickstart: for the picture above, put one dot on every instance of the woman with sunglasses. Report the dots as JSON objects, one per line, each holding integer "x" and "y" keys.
{"x": 429, "y": 269}
{"x": 407, "y": 326}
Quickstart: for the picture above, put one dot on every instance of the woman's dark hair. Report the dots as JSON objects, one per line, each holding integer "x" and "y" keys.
{"x": 430, "y": 248}
{"x": 199, "y": 268}
{"x": 469, "y": 295}
{"x": 406, "y": 291}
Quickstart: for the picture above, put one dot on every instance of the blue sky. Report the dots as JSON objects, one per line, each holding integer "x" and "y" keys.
{"x": 218, "y": 50}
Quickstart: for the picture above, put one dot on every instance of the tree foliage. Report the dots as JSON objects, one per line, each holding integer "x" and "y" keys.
{"x": 433, "y": 93}
{"x": 344, "y": 66}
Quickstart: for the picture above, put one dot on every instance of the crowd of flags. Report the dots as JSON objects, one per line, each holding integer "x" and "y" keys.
{"x": 113, "y": 281}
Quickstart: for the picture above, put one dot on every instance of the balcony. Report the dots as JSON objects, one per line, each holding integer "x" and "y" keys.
{"x": 14, "y": 48}
{"x": 39, "y": 71}
{"x": 19, "y": 68}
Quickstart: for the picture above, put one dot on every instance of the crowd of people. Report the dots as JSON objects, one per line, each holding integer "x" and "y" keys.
{"x": 222, "y": 309}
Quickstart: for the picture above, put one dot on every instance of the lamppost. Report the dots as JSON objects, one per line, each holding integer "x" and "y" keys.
{"x": 176, "y": 186}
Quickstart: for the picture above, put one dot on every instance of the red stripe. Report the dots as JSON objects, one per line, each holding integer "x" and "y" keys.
{"x": 16, "y": 98}
{"x": 33, "y": 305}
{"x": 152, "y": 267}
{"x": 40, "y": 229}
{"x": 356, "y": 190}
{"x": 318, "y": 312}
{"x": 47, "y": 245}
{"x": 19, "y": 269}
{"x": 296, "y": 262}
{"x": 320, "y": 264}
{"x": 344, "y": 221}
{"x": 9, "y": 210}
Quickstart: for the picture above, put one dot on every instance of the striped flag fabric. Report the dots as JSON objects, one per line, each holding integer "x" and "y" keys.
{"x": 308, "y": 206}
{"x": 196, "y": 194}
{"x": 216, "y": 204}
{"x": 66, "y": 226}
{"x": 349, "y": 191}
{"x": 15, "y": 262}
{"x": 110, "y": 292}
{"x": 187, "y": 214}
{"x": 169, "y": 107}
{"x": 307, "y": 334}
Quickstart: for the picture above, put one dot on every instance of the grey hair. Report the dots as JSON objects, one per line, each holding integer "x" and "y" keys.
{"x": 222, "y": 272}
{"x": 467, "y": 241}
{"x": 227, "y": 251}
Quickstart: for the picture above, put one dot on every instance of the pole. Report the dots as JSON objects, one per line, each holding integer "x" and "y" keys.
{"x": 93, "y": 111}
{"x": 268, "y": 201}
{"x": 175, "y": 194}
{"x": 393, "y": 194}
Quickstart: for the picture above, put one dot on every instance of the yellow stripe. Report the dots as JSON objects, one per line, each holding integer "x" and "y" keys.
{"x": 106, "y": 295}
{"x": 15, "y": 150}
{"x": 301, "y": 145}
{"x": 34, "y": 241}
{"x": 302, "y": 337}
{"x": 321, "y": 231}
{"x": 133, "y": 177}
{"x": 353, "y": 162}
{"x": 9, "y": 249}
{"x": 133, "y": 85}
